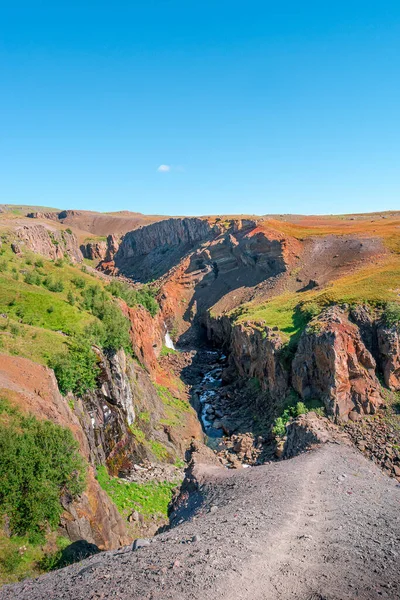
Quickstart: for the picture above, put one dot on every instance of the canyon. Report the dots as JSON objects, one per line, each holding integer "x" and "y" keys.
{"x": 263, "y": 356}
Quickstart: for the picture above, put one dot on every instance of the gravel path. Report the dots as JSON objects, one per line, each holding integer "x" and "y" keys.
{"x": 324, "y": 525}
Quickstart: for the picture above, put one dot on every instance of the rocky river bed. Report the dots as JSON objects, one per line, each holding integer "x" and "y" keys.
{"x": 227, "y": 429}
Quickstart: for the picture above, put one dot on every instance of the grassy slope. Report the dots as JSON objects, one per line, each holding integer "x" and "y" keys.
{"x": 38, "y": 318}
{"x": 376, "y": 284}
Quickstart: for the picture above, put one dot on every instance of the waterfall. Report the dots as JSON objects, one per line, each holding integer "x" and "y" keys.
{"x": 168, "y": 342}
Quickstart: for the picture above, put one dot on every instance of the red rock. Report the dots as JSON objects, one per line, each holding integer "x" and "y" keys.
{"x": 332, "y": 364}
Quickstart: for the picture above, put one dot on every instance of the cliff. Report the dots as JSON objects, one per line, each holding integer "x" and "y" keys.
{"x": 149, "y": 252}
{"x": 333, "y": 364}
{"x": 49, "y": 243}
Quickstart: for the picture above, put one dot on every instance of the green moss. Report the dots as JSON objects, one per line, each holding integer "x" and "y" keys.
{"x": 165, "y": 351}
{"x": 159, "y": 450}
{"x": 138, "y": 434}
{"x": 150, "y": 499}
{"x": 173, "y": 407}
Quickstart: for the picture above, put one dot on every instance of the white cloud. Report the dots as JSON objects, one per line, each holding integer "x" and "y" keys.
{"x": 164, "y": 168}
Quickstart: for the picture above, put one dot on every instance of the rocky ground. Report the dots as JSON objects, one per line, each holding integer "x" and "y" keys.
{"x": 379, "y": 440}
{"x": 324, "y": 525}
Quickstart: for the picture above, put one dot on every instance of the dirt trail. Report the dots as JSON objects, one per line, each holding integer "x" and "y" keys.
{"x": 322, "y": 526}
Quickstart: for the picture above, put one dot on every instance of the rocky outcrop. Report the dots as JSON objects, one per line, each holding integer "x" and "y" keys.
{"x": 307, "y": 430}
{"x": 147, "y": 335}
{"x": 389, "y": 355}
{"x": 50, "y": 243}
{"x": 94, "y": 250}
{"x": 52, "y": 216}
{"x": 332, "y": 364}
{"x": 33, "y": 389}
{"x": 256, "y": 352}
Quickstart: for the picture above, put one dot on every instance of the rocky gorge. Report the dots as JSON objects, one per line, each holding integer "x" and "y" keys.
{"x": 204, "y": 368}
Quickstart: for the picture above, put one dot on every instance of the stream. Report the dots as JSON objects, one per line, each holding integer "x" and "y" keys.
{"x": 207, "y": 392}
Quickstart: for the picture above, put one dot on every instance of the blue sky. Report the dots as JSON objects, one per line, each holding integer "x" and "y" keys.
{"x": 252, "y": 107}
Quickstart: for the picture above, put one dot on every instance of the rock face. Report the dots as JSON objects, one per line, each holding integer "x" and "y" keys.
{"x": 332, "y": 364}
{"x": 50, "y": 243}
{"x": 389, "y": 354}
{"x": 33, "y": 389}
{"x": 149, "y": 252}
{"x": 146, "y": 334}
{"x": 256, "y": 353}
{"x": 52, "y": 216}
{"x": 94, "y": 250}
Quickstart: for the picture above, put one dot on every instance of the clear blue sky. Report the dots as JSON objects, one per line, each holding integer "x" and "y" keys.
{"x": 253, "y": 106}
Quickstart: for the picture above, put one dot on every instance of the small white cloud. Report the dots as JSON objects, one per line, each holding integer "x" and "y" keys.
{"x": 164, "y": 168}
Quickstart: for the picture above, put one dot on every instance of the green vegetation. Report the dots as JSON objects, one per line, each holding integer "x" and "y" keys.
{"x": 377, "y": 286}
{"x": 150, "y": 499}
{"x": 174, "y": 407}
{"x": 20, "y": 558}
{"x": 62, "y": 310}
{"x": 159, "y": 450}
{"x": 392, "y": 314}
{"x": 165, "y": 351}
{"x": 38, "y": 460}
{"x": 77, "y": 370}
{"x": 145, "y": 296}
{"x": 293, "y": 410}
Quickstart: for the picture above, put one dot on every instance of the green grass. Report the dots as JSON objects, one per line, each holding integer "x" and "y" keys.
{"x": 165, "y": 351}
{"x": 19, "y": 558}
{"x": 375, "y": 285}
{"x": 150, "y": 499}
{"x": 45, "y": 301}
{"x": 27, "y": 341}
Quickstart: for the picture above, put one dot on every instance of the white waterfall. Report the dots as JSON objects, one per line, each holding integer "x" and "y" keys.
{"x": 168, "y": 342}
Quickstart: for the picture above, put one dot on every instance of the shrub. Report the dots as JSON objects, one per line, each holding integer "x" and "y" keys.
{"x": 39, "y": 263}
{"x": 32, "y": 278}
{"x": 113, "y": 332}
{"x": 77, "y": 370}
{"x": 53, "y": 285}
{"x": 310, "y": 310}
{"x": 392, "y": 314}
{"x": 79, "y": 282}
{"x": 38, "y": 461}
{"x": 144, "y": 296}
{"x": 3, "y": 266}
